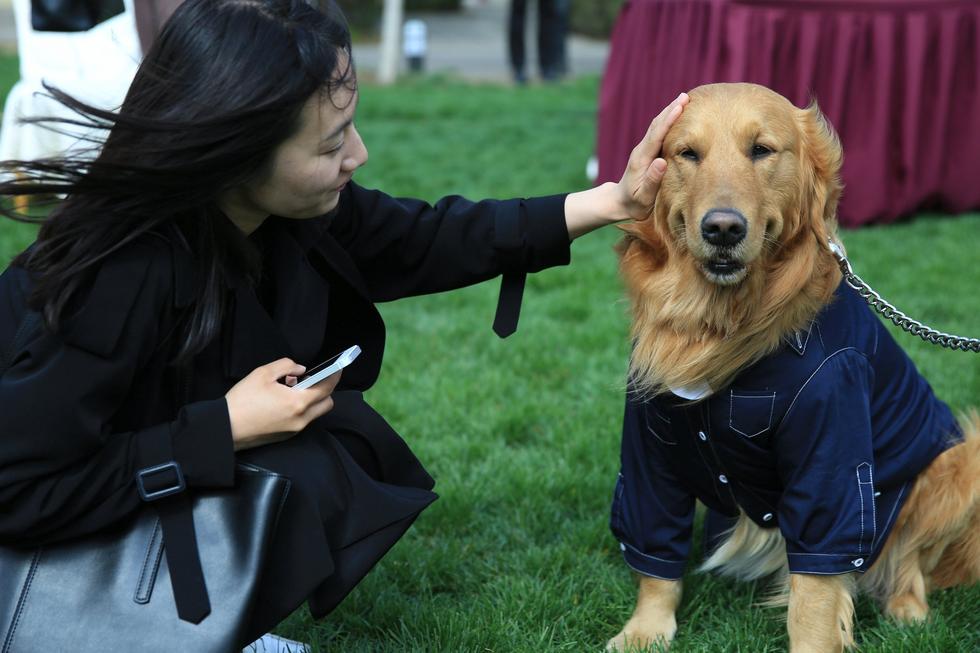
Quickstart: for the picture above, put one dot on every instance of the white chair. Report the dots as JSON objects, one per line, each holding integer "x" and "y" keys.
{"x": 95, "y": 66}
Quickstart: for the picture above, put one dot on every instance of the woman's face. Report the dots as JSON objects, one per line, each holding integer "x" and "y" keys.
{"x": 308, "y": 170}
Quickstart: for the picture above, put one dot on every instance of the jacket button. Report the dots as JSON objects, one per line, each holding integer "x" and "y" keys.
{"x": 858, "y": 562}
{"x": 703, "y": 437}
{"x": 767, "y": 517}
{"x": 723, "y": 478}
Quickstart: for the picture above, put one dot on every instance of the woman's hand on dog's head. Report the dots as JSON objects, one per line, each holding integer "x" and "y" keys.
{"x": 632, "y": 198}
{"x": 645, "y": 170}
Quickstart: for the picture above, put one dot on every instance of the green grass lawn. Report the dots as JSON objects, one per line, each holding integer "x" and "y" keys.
{"x": 522, "y": 435}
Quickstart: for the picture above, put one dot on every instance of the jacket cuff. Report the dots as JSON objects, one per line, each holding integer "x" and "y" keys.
{"x": 653, "y": 566}
{"x": 827, "y": 563}
{"x": 203, "y": 444}
{"x": 547, "y": 233}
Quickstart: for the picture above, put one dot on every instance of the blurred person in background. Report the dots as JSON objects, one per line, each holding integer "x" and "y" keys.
{"x": 552, "y": 24}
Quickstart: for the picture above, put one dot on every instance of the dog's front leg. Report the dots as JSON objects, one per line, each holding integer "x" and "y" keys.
{"x": 654, "y": 617}
{"x": 821, "y": 613}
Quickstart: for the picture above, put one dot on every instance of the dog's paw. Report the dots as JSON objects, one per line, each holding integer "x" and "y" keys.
{"x": 636, "y": 637}
{"x": 907, "y": 608}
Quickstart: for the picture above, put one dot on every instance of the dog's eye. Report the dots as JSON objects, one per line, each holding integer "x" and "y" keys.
{"x": 760, "y": 151}
{"x": 690, "y": 155}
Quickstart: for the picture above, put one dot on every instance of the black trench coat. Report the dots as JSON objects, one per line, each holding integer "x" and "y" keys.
{"x": 80, "y": 408}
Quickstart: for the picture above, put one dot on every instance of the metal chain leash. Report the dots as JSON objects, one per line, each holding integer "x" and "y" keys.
{"x": 900, "y": 319}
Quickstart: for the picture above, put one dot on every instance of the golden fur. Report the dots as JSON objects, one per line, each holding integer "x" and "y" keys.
{"x": 693, "y": 325}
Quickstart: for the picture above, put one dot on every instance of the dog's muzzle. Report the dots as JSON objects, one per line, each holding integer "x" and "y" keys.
{"x": 723, "y": 230}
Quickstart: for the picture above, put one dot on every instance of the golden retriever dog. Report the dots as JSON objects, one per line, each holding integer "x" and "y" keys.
{"x": 764, "y": 387}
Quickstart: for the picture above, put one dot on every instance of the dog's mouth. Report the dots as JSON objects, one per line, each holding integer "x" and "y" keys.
{"x": 724, "y": 270}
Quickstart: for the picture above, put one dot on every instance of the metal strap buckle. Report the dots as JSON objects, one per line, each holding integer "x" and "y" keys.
{"x": 179, "y": 486}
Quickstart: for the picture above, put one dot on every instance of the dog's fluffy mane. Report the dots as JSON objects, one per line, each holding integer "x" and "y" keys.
{"x": 688, "y": 331}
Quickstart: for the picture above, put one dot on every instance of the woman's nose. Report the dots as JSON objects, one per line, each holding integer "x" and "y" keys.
{"x": 359, "y": 153}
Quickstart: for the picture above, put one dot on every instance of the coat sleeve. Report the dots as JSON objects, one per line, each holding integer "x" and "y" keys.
{"x": 65, "y": 470}
{"x": 652, "y": 514}
{"x": 406, "y": 247}
{"x": 825, "y": 456}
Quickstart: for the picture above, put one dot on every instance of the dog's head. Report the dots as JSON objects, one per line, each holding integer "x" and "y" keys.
{"x": 749, "y": 176}
{"x": 734, "y": 256}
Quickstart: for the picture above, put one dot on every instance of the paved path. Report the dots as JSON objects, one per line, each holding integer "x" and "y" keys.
{"x": 473, "y": 44}
{"x": 470, "y": 43}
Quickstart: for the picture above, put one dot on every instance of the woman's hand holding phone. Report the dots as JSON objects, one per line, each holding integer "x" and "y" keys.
{"x": 263, "y": 411}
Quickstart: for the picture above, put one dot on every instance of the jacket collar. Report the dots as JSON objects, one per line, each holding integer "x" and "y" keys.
{"x": 306, "y": 262}
{"x": 292, "y": 326}
{"x": 317, "y": 241}
{"x": 309, "y": 237}
{"x": 798, "y": 340}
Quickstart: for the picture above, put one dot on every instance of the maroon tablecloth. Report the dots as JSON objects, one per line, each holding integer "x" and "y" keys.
{"x": 899, "y": 80}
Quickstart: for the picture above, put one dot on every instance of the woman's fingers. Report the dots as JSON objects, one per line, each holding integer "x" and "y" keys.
{"x": 660, "y": 125}
{"x": 261, "y": 410}
{"x": 646, "y": 168}
{"x": 283, "y": 367}
{"x": 648, "y": 148}
{"x": 318, "y": 399}
{"x": 647, "y": 184}
{"x": 319, "y": 409}
{"x": 324, "y": 388}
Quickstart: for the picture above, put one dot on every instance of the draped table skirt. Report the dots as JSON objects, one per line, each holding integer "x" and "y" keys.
{"x": 898, "y": 79}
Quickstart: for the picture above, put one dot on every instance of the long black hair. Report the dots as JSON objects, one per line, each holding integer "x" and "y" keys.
{"x": 220, "y": 88}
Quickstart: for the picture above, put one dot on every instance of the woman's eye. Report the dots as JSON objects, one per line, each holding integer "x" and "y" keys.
{"x": 334, "y": 150}
{"x": 760, "y": 151}
{"x": 690, "y": 155}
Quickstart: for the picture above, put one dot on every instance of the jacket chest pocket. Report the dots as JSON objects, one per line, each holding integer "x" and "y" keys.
{"x": 750, "y": 412}
{"x": 658, "y": 424}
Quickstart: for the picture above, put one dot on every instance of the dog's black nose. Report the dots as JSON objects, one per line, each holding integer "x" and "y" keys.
{"x": 723, "y": 228}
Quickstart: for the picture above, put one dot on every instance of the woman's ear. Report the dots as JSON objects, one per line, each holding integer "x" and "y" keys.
{"x": 821, "y": 157}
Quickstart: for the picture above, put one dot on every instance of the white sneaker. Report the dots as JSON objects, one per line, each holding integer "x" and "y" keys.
{"x": 270, "y": 643}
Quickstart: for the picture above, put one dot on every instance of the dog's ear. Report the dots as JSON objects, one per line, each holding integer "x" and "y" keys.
{"x": 821, "y": 156}
{"x": 629, "y": 236}
{"x": 644, "y": 241}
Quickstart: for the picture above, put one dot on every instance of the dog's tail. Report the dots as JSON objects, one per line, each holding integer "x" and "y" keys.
{"x": 749, "y": 552}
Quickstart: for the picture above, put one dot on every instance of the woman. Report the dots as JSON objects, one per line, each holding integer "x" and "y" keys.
{"x": 218, "y": 237}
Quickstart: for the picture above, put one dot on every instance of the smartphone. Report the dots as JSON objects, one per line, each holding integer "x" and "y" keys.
{"x": 328, "y": 367}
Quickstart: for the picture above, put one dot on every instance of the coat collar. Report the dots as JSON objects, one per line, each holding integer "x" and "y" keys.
{"x": 798, "y": 340}
{"x": 308, "y": 237}
{"x": 309, "y": 266}
{"x": 317, "y": 241}
{"x": 292, "y": 326}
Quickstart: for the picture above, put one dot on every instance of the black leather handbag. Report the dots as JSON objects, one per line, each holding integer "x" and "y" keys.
{"x": 112, "y": 591}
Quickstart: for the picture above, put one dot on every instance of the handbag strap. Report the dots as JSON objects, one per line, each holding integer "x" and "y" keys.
{"x": 179, "y": 537}
{"x": 175, "y": 509}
